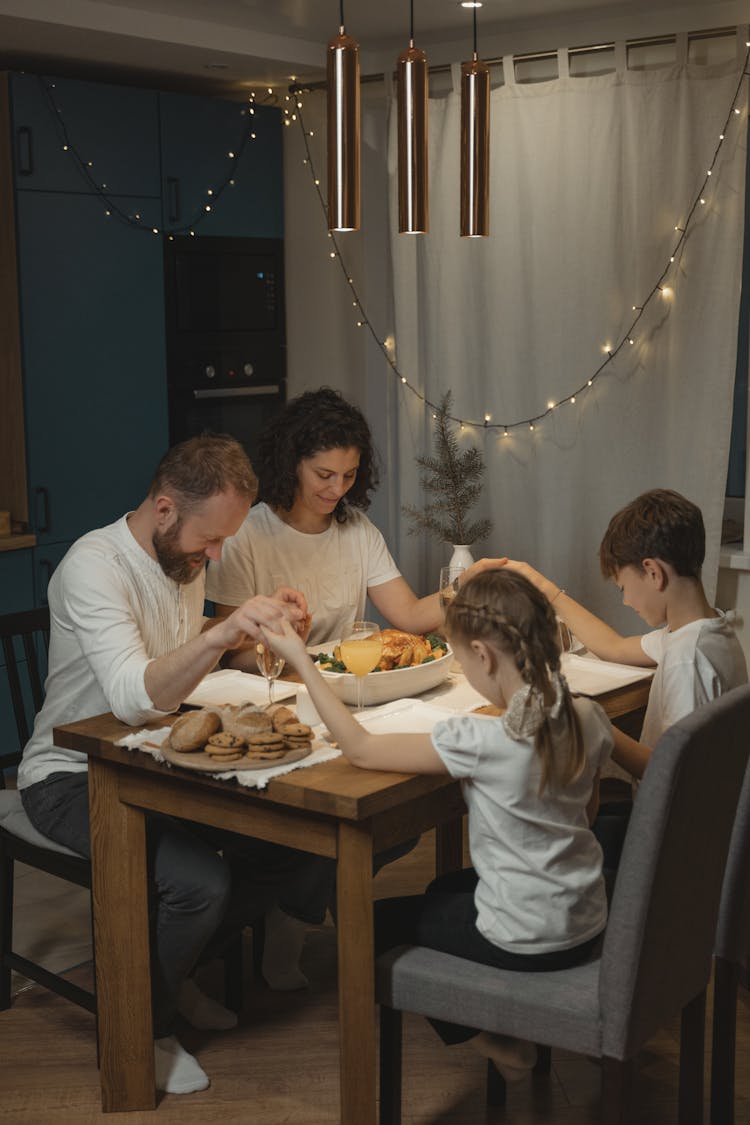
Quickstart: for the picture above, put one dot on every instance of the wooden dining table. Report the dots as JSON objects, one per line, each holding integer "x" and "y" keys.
{"x": 330, "y": 809}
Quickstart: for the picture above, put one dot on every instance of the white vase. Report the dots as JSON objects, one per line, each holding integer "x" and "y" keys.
{"x": 461, "y": 556}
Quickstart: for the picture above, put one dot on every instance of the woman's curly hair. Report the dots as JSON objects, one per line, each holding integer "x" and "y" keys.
{"x": 309, "y": 424}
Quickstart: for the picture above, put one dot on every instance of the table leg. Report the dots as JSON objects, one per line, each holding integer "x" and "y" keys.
{"x": 356, "y": 951}
{"x": 449, "y": 848}
{"x": 121, "y": 935}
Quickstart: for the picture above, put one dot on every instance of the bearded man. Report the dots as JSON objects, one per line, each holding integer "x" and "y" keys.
{"x": 128, "y": 635}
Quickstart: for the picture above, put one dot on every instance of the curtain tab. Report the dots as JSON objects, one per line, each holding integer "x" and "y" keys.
{"x": 509, "y": 70}
{"x": 456, "y": 77}
{"x": 681, "y": 48}
{"x": 563, "y": 63}
{"x": 621, "y": 56}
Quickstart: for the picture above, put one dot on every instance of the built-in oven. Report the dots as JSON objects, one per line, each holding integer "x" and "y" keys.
{"x": 226, "y": 358}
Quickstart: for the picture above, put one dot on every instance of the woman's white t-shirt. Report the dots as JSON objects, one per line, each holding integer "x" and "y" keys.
{"x": 540, "y": 886}
{"x": 333, "y": 568}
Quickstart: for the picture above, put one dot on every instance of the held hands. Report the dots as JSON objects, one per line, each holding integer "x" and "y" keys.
{"x": 286, "y": 642}
{"x": 260, "y": 612}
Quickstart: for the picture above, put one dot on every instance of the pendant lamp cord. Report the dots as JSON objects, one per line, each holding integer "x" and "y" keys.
{"x": 411, "y": 22}
{"x": 341, "y": 13}
{"x": 475, "y": 31}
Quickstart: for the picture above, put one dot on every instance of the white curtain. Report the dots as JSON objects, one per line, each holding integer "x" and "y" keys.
{"x": 590, "y": 177}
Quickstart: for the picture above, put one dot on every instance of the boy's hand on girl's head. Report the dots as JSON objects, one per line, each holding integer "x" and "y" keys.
{"x": 478, "y": 567}
{"x": 548, "y": 588}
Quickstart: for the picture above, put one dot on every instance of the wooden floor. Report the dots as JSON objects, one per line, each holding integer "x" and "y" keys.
{"x": 280, "y": 1066}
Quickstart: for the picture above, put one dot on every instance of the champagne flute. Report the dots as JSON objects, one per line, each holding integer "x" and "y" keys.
{"x": 361, "y": 649}
{"x": 565, "y": 636}
{"x": 448, "y": 587}
{"x": 270, "y": 665}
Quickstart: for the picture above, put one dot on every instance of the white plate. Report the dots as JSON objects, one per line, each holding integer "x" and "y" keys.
{"x": 231, "y": 686}
{"x": 382, "y": 687}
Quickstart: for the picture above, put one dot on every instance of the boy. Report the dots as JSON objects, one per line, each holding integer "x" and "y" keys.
{"x": 654, "y": 549}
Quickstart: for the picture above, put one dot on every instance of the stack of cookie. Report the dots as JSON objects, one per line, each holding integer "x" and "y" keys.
{"x": 231, "y": 735}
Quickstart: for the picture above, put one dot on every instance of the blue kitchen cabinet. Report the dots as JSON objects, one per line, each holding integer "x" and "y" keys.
{"x": 114, "y": 127}
{"x": 16, "y": 585}
{"x": 45, "y": 562}
{"x": 92, "y": 320}
{"x": 197, "y": 136}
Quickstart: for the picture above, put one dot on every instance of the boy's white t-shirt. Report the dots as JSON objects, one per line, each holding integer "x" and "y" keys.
{"x": 695, "y": 664}
{"x": 540, "y": 886}
{"x": 333, "y": 569}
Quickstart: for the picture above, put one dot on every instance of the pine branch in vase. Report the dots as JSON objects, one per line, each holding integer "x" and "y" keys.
{"x": 452, "y": 481}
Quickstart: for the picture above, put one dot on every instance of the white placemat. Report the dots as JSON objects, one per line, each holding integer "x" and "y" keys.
{"x": 404, "y": 716}
{"x": 149, "y": 741}
{"x": 587, "y": 675}
{"x": 230, "y": 686}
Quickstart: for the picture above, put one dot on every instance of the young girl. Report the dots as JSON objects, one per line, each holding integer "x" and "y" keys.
{"x": 535, "y": 898}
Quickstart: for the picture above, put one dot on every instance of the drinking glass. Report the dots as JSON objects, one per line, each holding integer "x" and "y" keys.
{"x": 270, "y": 665}
{"x": 361, "y": 649}
{"x": 448, "y": 587}
{"x": 565, "y": 636}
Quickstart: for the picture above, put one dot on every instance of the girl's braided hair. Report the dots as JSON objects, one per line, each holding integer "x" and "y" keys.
{"x": 504, "y": 609}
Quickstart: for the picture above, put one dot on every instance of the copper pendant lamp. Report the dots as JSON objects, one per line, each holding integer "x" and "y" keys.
{"x": 411, "y": 88}
{"x": 342, "y": 71}
{"x": 475, "y": 146}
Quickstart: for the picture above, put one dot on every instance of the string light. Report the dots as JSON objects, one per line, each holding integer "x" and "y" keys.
{"x": 610, "y": 351}
{"x": 110, "y": 204}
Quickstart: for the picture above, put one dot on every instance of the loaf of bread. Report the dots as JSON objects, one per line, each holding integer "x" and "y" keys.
{"x": 193, "y": 730}
{"x": 281, "y": 715}
{"x": 246, "y": 722}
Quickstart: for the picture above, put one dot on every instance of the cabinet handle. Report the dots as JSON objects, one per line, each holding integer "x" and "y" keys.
{"x": 46, "y": 566}
{"x": 173, "y": 199}
{"x": 24, "y": 152}
{"x": 43, "y": 526}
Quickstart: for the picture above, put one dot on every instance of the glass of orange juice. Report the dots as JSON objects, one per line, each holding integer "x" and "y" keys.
{"x": 361, "y": 650}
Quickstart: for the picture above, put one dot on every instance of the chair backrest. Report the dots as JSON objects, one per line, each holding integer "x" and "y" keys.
{"x": 25, "y": 640}
{"x": 733, "y": 929}
{"x": 657, "y": 949}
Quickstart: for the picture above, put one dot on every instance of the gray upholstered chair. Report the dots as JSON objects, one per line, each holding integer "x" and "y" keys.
{"x": 730, "y": 952}
{"x": 655, "y": 958}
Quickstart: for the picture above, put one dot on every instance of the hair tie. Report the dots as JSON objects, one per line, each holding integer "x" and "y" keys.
{"x": 526, "y": 712}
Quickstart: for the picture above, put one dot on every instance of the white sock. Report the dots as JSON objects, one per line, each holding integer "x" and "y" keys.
{"x": 176, "y": 1071}
{"x": 285, "y": 937}
{"x": 201, "y": 1011}
{"x": 514, "y": 1058}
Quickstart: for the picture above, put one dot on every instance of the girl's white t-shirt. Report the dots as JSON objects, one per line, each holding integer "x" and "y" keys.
{"x": 333, "y": 569}
{"x": 540, "y": 886}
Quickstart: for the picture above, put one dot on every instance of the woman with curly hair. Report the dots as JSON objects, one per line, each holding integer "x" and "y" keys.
{"x": 316, "y": 469}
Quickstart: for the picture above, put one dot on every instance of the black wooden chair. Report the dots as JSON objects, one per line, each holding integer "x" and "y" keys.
{"x": 27, "y": 633}
{"x": 25, "y": 640}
